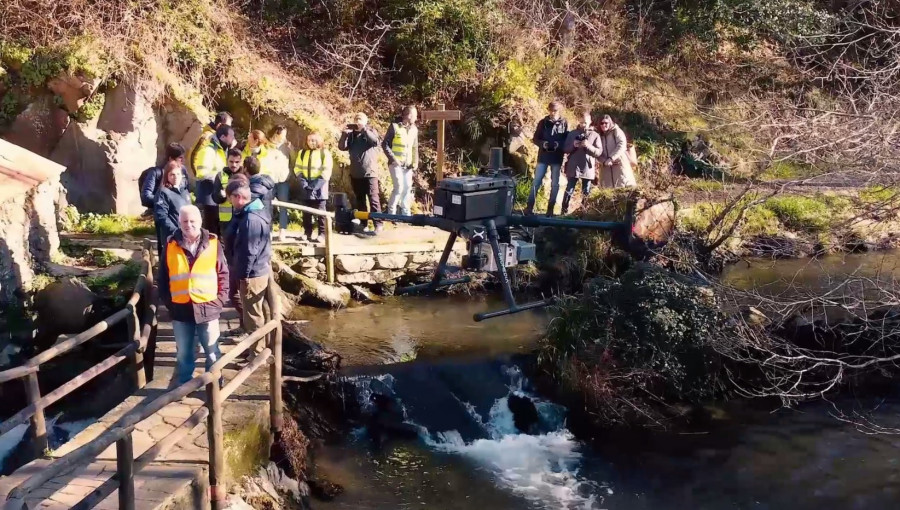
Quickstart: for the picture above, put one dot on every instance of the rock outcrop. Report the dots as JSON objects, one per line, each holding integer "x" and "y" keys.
{"x": 103, "y": 162}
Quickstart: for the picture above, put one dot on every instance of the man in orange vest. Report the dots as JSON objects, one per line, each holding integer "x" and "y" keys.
{"x": 193, "y": 284}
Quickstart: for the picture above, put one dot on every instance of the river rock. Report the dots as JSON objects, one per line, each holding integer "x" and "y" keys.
{"x": 362, "y": 294}
{"x": 391, "y": 261}
{"x": 654, "y": 220}
{"x": 354, "y": 263}
{"x": 370, "y": 277}
{"x": 66, "y": 305}
{"x": 525, "y": 415}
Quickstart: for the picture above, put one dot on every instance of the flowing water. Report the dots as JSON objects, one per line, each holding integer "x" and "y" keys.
{"x": 458, "y": 377}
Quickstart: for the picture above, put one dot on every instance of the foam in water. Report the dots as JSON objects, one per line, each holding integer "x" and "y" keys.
{"x": 541, "y": 468}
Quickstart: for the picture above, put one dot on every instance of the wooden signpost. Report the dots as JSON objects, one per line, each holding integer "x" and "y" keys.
{"x": 441, "y": 116}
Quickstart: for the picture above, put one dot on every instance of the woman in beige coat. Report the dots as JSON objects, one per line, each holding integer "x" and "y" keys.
{"x": 615, "y": 168}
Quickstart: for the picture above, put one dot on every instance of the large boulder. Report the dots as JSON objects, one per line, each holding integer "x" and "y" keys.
{"x": 64, "y": 306}
{"x": 176, "y": 123}
{"x": 39, "y": 127}
{"x": 354, "y": 263}
{"x": 103, "y": 163}
{"x": 310, "y": 290}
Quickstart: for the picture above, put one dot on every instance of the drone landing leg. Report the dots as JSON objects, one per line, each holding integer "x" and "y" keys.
{"x": 438, "y": 273}
{"x": 494, "y": 239}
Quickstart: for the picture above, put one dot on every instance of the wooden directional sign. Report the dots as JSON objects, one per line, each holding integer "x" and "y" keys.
{"x": 441, "y": 116}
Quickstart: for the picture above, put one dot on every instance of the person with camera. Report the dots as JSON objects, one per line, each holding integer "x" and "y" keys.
{"x": 401, "y": 146}
{"x": 583, "y": 147}
{"x": 362, "y": 142}
{"x": 550, "y": 137}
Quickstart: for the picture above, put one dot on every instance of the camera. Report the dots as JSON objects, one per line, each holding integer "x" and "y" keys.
{"x": 353, "y": 127}
{"x": 582, "y": 137}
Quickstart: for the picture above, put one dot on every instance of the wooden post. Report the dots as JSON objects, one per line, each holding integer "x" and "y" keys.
{"x": 125, "y": 468}
{"x": 440, "y": 143}
{"x": 329, "y": 257}
{"x": 441, "y": 115}
{"x": 38, "y": 424}
{"x": 216, "y": 436}
{"x": 275, "y": 403}
{"x": 136, "y": 357}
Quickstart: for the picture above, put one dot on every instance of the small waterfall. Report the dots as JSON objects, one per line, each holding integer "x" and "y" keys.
{"x": 541, "y": 467}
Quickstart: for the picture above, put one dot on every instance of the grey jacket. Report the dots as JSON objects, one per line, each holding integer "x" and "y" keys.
{"x": 582, "y": 161}
{"x": 363, "y": 148}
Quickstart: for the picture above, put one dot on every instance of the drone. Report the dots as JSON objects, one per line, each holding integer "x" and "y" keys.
{"x": 478, "y": 208}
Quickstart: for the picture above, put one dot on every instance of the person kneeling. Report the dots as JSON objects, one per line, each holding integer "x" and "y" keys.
{"x": 313, "y": 170}
{"x": 193, "y": 284}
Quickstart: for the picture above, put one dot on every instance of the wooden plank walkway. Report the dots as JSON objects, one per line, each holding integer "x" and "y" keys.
{"x": 178, "y": 476}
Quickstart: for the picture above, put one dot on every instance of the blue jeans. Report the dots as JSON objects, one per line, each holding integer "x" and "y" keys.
{"x": 539, "y": 172}
{"x": 186, "y": 336}
{"x": 586, "y": 185}
{"x": 282, "y": 192}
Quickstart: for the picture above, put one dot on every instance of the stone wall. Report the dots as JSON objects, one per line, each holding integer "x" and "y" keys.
{"x": 28, "y": 237}
{"x": 371, "y": 270}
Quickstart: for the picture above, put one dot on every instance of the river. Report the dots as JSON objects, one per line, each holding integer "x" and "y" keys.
{"x": 457, "y": 376}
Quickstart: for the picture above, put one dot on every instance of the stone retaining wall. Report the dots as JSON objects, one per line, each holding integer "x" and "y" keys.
{"x": 372, "y": 269}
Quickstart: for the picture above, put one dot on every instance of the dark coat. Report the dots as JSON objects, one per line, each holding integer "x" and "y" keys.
{"x": 165, "y": 210}
{"x": 250, "y": 234}
{"x": 196, "y": 313}
{"x": 582, "y": 162}
{"x": 262, "y": 187}
{"x": 363, "y": 149}
{"x": 554, "y": 132}
{"x": 150, "y": 179}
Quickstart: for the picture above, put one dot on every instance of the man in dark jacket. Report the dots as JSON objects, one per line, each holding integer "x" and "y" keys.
{"x": 193, "y": 284}
{"x": 251, "y": 254}
{"x": 362, "y": 142}
{"x": 550, "y": 137}
{"x": 149, "y": 179}
{"x": 262, "y": 187}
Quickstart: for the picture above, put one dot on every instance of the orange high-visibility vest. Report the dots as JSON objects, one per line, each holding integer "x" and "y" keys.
{"x": 193, "y": 284}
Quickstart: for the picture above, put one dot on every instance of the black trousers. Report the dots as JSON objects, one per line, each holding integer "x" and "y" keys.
{"x": 367, "y": 187}
{"x": 308, "y": 218}
{"x": 210, "y": 215}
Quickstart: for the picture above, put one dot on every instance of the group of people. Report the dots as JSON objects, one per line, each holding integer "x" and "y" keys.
{"x": 217, "y": 246}
{"x": 594, "y": 155}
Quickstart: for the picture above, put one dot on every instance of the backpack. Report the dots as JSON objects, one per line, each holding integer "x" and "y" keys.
{"x": 144, "y": 176}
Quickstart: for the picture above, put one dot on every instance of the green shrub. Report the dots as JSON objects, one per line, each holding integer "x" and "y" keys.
{"x": 441, "y": 45}
{"x": 878, "y": 194}
{"x": 757, "y": 219}
{"x": 648, "y": 334}
{"x": 118, "y": 285}
{"x": 787, "y": 170}
{"x": 91, "y": 108}
{"x": 14, "y": 55}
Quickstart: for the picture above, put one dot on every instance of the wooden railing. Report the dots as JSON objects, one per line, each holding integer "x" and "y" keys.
{"x": 120, "y": 431}
{"x": 140, "y": 315}
{"x": 329, "y": 229}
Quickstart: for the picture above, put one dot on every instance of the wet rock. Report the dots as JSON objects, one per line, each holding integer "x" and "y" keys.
{"x": 525, "y": 415}
{"x": 386, "y": 289}
{"x": 391, "y": 261}
{"x": 354, "y": 263}
{"x": 306, "y": 355}
{"x": 325, "y": 490}
{"x": 362, "y": 294}
{"x": 65, "y": 306}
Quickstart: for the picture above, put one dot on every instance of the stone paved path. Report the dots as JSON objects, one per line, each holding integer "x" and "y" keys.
{"x": 172, "y": 476}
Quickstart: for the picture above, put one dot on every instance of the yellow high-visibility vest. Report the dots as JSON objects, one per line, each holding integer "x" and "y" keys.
{"x": 206, "y": 134}
{"x": 225, "y": 209}
{"x": 313, "y": 164}
{"x": 403, "y": 143}
{"x": 210, "y": 159}
{"x": 193, "y": 284}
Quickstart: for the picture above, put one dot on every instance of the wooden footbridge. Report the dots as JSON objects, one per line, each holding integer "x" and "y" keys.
{"x": 164, "y": 446}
